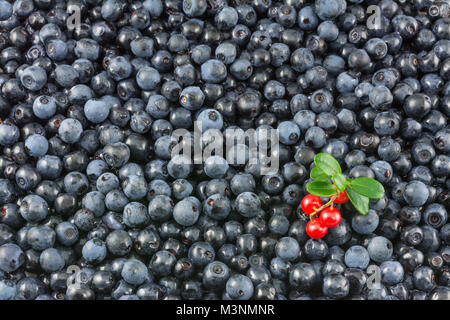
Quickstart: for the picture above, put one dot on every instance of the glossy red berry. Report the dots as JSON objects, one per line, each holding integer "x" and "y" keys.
{"x": 315, "y": 229}
{"x": 342, "y": 198}
{"x": 310, "y": 203}
{"x": 330, "y": 217}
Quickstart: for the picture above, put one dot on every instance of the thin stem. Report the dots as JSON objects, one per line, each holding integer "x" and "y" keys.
{"x": 326, "y": 205}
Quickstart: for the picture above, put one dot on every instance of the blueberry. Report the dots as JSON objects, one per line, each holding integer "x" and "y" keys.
{"x": 41, "y": 237}
{"x": 383, "y": 171}
{"x": 346, "y": 81}
{"x": 302, "y": 276}
{"x": 201, "y": 253}
{"x": 177, "y": 43}
{"x": 70, "y": 130}
{"x": 278, "y": 224}
{"x": 439, "y": 293}
{"x": 134, "y": 272}
{"x": 242, "y": 182}
{"x": 44, "y": 107}
{"x": 315, "y": 137}
{"x": 209, "y": 119}
{"x": 389, "y": 150}
{"x": 118, "y": 242}
{"x": 365, "y": 224}
{"x": 179, "y": 167}
{"x": 328, "y": 31}
{"x": 66, "y": 233}
{"x": 116, "y": 154}
{"x": 213, "y": 71}
{"x": 134, "y": 187}
{"x": 391, "y": 272}
{"x": 27, "y": 178}
{"x": 84, "y": 219}
{"x": 247, "y": 204}
{"x": 215, "y": 167}
{"x": 288, "y": 132}
{"x": 215, "y": 275}
{"x": 33, "y": 208}
{"x": 135, "y": 214}
{"x": 51, "y": 260}
{"x": 194, "y": 8}
{"x": 147, "y": 242}
{"x": 8, "y": 290}
{"x": 119, "y": 68}
{"x": 329, "y": 9}
{"x": 11, "y": 257}
{"x": 416, "y": 193}
{"x": 280, "y": 268}
{"x": 335, "y": 286}
{"x": 36, "y": 145}
{"x": 357, "y": 257}
{"x": 56, "y": 49}
{"x": 424, "y": 278}
{"x": 226, "y": 52}
{"x": 307, "y": 18}
{"x": 6, "y": 10}
{"x": 160, "y": 208}
{"x": 33, "y": 78}
{"x": 29, "y": 288}
{"x": 380, "y": 249}
{"x": 335, "y": 65}
{"x": 287, "y": 249}
{"x": 84, "y": 68}
{"x": 192, "y": 98}
{"x": 95, "y": 202}
{"x": 422, "y": 153}
{"x": 162, "y": 263}
{"x": 442, "y": 140}
{"x": 217, "y": 206}
{"x": 76, "y": 183}
{"x": 435, "y": 215}
{"x": 305, "y": 119}
{"x": 181, "y": 188}
{"x": 9, "y": 134}
{"x": 140, "y": 122}
{"x": 239, "y": 287}
{"x": 147, "y": 78}
{"x": 441, "y": 165}
{"x": 96, "y": 111}
{"x": 201, "y": 53}
{"x": 274, "y": 90}
{"x": 445, "y": 233}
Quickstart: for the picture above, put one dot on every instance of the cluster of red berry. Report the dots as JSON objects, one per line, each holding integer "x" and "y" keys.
{"x": 329, "y": 216}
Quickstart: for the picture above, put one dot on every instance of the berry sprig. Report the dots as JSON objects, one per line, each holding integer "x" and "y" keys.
{"x": 330, "y": 182}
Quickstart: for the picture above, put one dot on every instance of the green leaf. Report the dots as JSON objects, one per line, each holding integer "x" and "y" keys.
{"x": 368, "y": 187}
{"x": 321, "y": 188}
{"x": 319, "y": 175}
{"x": 327, "y": 163}
{"x": 339, "y": 181}
{"x": 361, "y": 203}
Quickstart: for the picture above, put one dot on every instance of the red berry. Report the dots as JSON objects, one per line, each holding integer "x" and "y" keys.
{"x": 315, "y": 230}
{"x": 310, "y": 203}
{"x": 330, "y": 217}
{"x": 342, "y": 198}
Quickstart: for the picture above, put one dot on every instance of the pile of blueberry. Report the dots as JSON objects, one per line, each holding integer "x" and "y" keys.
{"x": 93, "y": 206}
